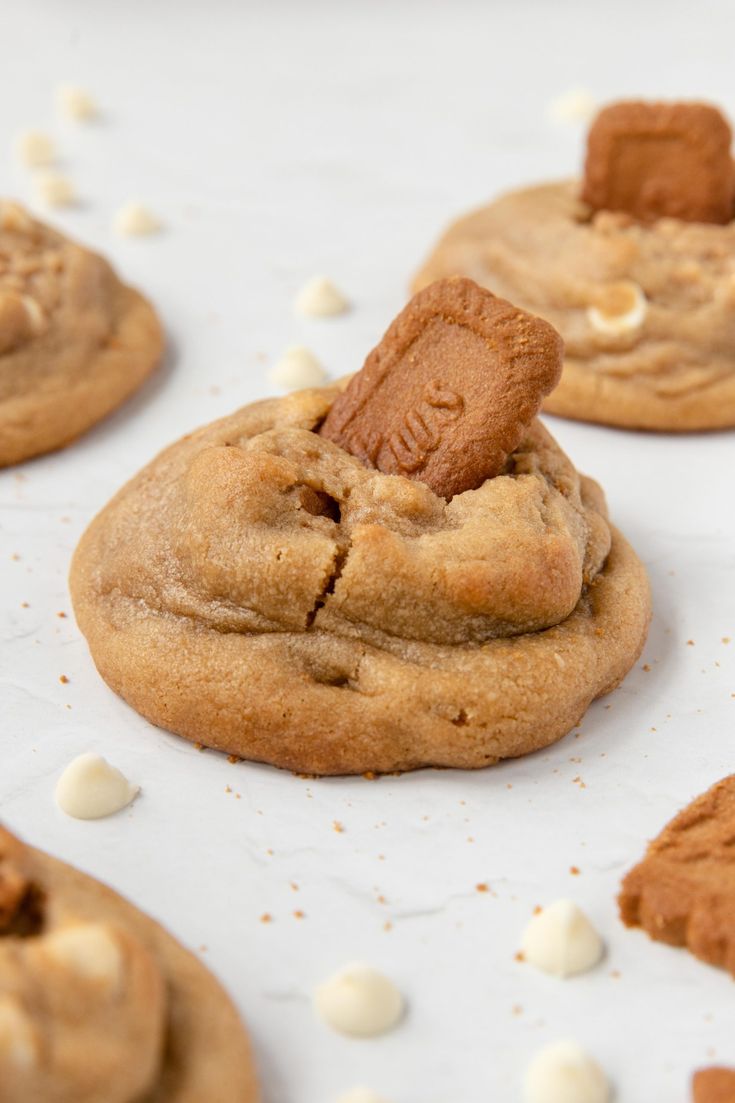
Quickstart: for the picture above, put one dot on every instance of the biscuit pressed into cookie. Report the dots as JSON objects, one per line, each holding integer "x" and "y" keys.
{"x": 258, "y": 589}
{"x": 75, "y": 342}
{"x": 99, "y": 1003}
{"x": 683, "y": 891}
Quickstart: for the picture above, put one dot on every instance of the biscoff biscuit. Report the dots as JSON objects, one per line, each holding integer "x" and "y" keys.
{"x": 715, "y": 1085}
{"x": 446, "y": 395}
{"x": 683, "y": 892}
{"x": 658, "y": 160}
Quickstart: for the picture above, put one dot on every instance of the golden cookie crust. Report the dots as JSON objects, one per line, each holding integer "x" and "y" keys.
{"x": 204, "y": 1052}
{"x": 75, "y": 342}
{"x": 545, "y": 250}
{"x": 256, "y": 589}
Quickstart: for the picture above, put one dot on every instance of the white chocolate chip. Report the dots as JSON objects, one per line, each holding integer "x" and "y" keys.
{"x": 34, "y": 148}
{"x": 620, "y": 308}
{"x": 134, "y": 220}
{"x": 18, "y": 1038}
{"x": 35, "y": 314}
{"x": 361, "y": 1095}
{"x": 359, "y": 1000}
{"x": 54, "y": 190}
{"x": 90, "y": 788}
{"x": 298, "y": 368}
{"x": 88, "y": 949}
{"x": 561, "y": 940}
{"x": 319, "y": 298}
{"x": 575, "y": 106}
{"x": 564, "y": 1073}
{"x": 74, "y": 102}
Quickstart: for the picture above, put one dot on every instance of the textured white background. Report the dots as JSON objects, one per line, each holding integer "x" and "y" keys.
{"x": 278, "y": 140}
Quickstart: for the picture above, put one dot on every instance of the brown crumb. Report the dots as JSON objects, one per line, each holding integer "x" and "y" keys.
{"x": 338, "y": 827}
{"x": 200, "y": 747}
{"x": 266, "y": 917}
{"x": 63, "y": 679}
{"x": 203, "y": 948}
{"x": 370, "y": 775}
{"x": 575, "y": 871}
{"x": 299, "y": 915}
{"x": 690, "y": 643}
{"x": 646, "y": 667}
{"x": 615, "y": 974}
{"x": 228, "y": 788}
{"x": 233, "y": 759}
{"x": 471, "y": 838}
{"x": 537, "y": 910}
{"x": 516, "y": 1009}
{"x": 387, "y": 926}
{"x": 62, "y": 615}
{"x": 725, "y": 639}
{"x": 482, "y": 887}
{"x": 24, "y": 605}
{"x": 519, "y": 956}
{"x": 381, "y": 899}
{"x": 294, "y": 886}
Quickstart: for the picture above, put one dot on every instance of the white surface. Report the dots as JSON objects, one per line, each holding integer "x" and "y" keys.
{"x": 275, "y": 141}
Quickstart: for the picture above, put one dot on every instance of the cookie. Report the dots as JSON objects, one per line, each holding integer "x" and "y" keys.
{"x": 100, "y": 1003}
{"x": 446, "y": 395}
{"x": 715, "y": 1085}
{"x": 645, "y": 308}
{"x": 259, "y": 589}
{"x": 74, "y": 341}
{"x": 661, "y": 160}
{"x": 683, "y": 892}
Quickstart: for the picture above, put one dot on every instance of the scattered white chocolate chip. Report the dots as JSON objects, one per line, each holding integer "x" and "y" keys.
{"x": 90, "y": 788}
{"x": 88, "y": 949}
{"x": 564, "y": 1073}
{"x": 619, "y": 308}
{"x": 54, "y": 190}
{"x": 577, "y": 105}
{"x": 135, "y": 220}
{"x": 359, "y": 1000}
{"x": 561, "y": 940}
{"x": 18, "y": 1038}
{"x": 74, "y": 102}
{"x": 361, "y": 1095}
{"x": 34, "y": 148}
{"x": 298, "y": 368}
{"x": 319, "y": 298}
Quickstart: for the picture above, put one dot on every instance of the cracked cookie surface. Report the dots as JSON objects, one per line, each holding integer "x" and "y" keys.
{"x": 74, "y": 340}
{"x": 672, "y": 366}
{"x": 257, "y": 589}
{"x": 98, "y": 1004}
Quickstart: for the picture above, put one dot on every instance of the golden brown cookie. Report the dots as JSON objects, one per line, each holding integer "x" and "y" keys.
{"x": 658, "y": 160}
{"x": 74, "y": 340}
{"x": 646, "y": 309}
{"x": 715, "y": 1085}
{"x": 258, "y": 589}
{"x": 99, "y": 1004}
{"x": 683, "y": 892}
{"x": 446, "y": 395}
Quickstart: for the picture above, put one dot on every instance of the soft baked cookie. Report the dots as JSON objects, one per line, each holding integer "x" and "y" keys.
{"x": 99, "y": 1004}
{"x": 74, "y": 340}
{"x": 258, "y": 589}
{"x": 646, "y": 307}
{"x": 714, "y": 1085}
{"x": 683, "y": 891}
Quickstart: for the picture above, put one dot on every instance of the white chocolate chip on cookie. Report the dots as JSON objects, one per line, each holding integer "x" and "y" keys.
{"x": 297, "y": 369}
{"x": 18, "y": 1037}
{"x": 560, "y": 940}
{"x": 618, "y": 309}
{"x": 135, "y": 220}
{"x": 564, "y": 1073}
{"x": 74, "y": 102}
{"x": 34, "y": 148}
{"x": 55, "y": 190}
{"x": 319, "y": 298}
{"x": 359, "y": 1000}
{"x": 90, "y": 788}
{"x": 88, "y": 949}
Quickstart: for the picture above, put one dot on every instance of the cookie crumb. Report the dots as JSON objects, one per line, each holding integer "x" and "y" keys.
{"x": 34, "y": 148}
{"x": 725, "y": 639}
{"x": 233, "y": 759}
{"x": 482, "y": 887}
{"x": 135, "y": 220}
{"x": 266, "y": 917}
{"x": 299, "y": 915}
{"x": 338, "y": 827}
{"x": 74, "y": 102}
{"x": 690, "y": 643}
{"x": 646, "y": 667}
{"x": 63, "y": 679}
{"x": 575, "y": 871}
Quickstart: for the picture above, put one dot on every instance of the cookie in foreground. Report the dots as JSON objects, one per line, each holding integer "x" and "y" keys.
{"x": 714, "y": 1085}
{"x": 683, "y": 891}
{"x": 634, "y": 266}
{"x": 260, "y": 589}
{"x": 98, "y": 1002}
{"x": 75, "y": 342}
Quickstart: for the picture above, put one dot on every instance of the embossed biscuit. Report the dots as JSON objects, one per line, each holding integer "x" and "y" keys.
{"x": 683, "y": 892}
{"x": 657, "y": 160}
{"x": 446, "y": 395}
{"x": 715, "y": 1085}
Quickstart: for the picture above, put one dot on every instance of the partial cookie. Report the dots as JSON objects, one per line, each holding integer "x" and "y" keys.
{"x": 645, "y": 308}
{"x": 715, "y": 1085}
{"x": 683, "y": 892}
{"x": 447, "y": 394}
{"x": 260, "y": 590}
{"x": 99, "y": 1003}
{"x": 74, "y": 340}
